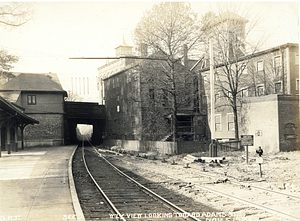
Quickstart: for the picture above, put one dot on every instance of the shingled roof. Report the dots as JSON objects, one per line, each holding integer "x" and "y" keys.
{"x": 33, "y": 82}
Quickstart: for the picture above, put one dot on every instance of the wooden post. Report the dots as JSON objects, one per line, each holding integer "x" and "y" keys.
{"x": 260, "y": 173}
{"x": 16, "y": 137}
{"x": 8, "y": 140}
{"x": 247, "y": 155}
{"x": 22, "y": 126}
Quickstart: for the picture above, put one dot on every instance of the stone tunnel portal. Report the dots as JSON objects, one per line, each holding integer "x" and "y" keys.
{"x": 84, "y": 113}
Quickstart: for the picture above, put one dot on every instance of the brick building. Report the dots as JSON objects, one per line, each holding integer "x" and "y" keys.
{"x": 136, "y": 106}
{"x": 42, "y": 98}
{"x": 268, "y": 100}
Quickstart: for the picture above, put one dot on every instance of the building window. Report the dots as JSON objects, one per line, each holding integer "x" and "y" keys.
{"x": 277, "y": 65}
{"x": 113, "y": 83}
{"x": 277, "y": 87}
{"x": 260, "y": 66}
{"x": 296, "y": 59}
{"x": 297, "y": 84}
{"x": 31, "y": 100}
{"x": 132, "y": 122}
{"x": 217, "y": 77}
{"x": 244, "y": 92}
{"x": 260, "y": 90}
{"x": 128, "y": 78}
{"x": 118, "y": 108}
{"x": 129, "y": 107}
{"x": 230, "y": 122}
{"x": 151, "y": 93}
{"x": 229, "y": 95}
{"x": 118, "y": 83}
{"x": 217, "y": 97}
{"x": 218, "y": 122}
{"x": 289, "y": 131}
{"x": 277, "y": 62}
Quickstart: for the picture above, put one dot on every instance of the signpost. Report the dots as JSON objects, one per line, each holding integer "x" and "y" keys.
{"x": 247, "y": 140}
{"x": 259, "y": 160}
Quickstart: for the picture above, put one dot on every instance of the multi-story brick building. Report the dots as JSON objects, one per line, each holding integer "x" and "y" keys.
{"x": 137, "y": 107}
{"x": 268, "y": 99}
{"x": 42, "y": 98}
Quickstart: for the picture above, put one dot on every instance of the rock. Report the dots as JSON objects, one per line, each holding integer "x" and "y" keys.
{"x": 281, "y": 185}
{"x": 221, "y": 180}
{"x": 115, "y": 148}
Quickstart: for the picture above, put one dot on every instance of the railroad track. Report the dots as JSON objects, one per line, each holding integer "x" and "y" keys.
{"x": 107, "y": 193}
{"x": 233, "y": 196}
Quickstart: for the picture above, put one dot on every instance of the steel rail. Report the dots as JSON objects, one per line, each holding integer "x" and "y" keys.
{"x": 99, "y": 188}
{"x": 285, "y": 215}
{"x": 148, "y": 190}
{"x": 258, "y": 206}
{"x": 250, "y": 185}
{"x": 272, "y": 191}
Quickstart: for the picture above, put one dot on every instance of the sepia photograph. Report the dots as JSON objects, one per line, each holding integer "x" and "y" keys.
{"x": 149, "y": 110}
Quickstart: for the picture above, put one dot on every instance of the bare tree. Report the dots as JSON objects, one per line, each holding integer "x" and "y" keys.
{"x": 156, "y": 99}
{"x": 166, "y": 29}
{"x": 15, "y": 14}
{"x": 12, "y": 14}
{"x": 230, "y": 31}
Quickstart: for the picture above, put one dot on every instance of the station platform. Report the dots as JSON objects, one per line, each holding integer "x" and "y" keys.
{"x": 34, "y": 184}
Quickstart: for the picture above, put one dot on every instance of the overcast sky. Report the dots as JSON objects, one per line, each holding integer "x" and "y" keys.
{"x": 60, "y": 30}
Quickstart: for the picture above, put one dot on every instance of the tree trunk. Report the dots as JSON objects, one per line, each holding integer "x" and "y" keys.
{"x": 236, "y": 123}
{"x": 174, "y": 105}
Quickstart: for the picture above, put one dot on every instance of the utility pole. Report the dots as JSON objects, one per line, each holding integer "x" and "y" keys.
{"x": 213, "y": 144}
{"x": 212, "y": 89}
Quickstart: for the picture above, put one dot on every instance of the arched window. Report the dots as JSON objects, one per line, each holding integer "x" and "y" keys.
{"x": 289, "y": 131}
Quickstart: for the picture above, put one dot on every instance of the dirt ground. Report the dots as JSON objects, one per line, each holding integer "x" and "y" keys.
{"x": 280, "y": 172}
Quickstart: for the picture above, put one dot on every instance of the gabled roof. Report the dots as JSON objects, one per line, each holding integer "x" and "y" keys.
{"x": 33, "y": 82}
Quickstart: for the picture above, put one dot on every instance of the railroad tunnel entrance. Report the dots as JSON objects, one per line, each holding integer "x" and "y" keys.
{"x": 84, "y": 131}
{"x": 84, "y": 113}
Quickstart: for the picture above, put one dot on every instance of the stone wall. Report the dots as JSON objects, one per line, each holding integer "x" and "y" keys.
{"x": 145, "y": 146}
{"x": 49, "y": 132}
{"x": 161, "y": 148}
